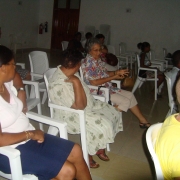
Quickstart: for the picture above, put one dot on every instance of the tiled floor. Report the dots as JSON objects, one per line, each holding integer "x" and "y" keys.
{"x": 129, "y": 158}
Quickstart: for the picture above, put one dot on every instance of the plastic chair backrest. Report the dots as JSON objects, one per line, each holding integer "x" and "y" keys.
{"x": 111, "y": 49}
{"x": 38, "y": 62}
{"x": 89, "y": 28}
{"x": 47, "y": 75}
{"x": 169, "y": 87}
{"x": 164, "y": 52}
{"x": 151, "y": 136}
{"x": 81, "y": 73}
{"x": 138, "y": 60}
{"x": 64, "y": 45}
{"x": 122, "y": 48}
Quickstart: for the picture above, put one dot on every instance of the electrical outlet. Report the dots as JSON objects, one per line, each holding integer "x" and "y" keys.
{"x": 128, "y": 10}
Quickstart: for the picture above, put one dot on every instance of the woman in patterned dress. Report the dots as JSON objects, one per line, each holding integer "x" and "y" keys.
{"x": 102, "y": 120}
{"x": 95, "y": 73}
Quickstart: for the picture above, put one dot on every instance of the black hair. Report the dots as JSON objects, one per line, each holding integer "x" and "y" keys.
{"x": 6, "y": 55}
{"x": 99, "y": 36}
{"x": 88, "y": 35}
{"x": 143, "y": 45}
{"x": 139, "y": 45}
{"x": 176, "y": 58}
{"x": 70, "y": 58}
{"x": 77, "y": 34}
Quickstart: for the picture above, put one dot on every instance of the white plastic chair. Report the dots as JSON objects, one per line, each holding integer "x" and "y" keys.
{"x": 39, "y": 64}
{"x": 140, "y": 80}
{"x": 111, "y": 49}
{"x": 163, "y": 63}
{"x": 14, "y": 154}
{"x": 90, "y": 28}
{"x": 151, "y": 136}
{"x": 130, "y": 54}
{"x": 170, "y": 97}
{"x": 64, "y": 45}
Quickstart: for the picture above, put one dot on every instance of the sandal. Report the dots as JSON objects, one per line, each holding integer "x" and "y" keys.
{"x": 102, "y": 155}
{"x": 93, "y": 164}
{"x": 144, "y": 125}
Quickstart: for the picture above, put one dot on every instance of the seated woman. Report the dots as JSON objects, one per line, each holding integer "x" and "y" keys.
{"x": 45, "y": 156}
{"x": 146, "y": 63}
{"x": 102, "y": 120}
{"x": 167, "y": 145}
{"x": 95, "y": 73}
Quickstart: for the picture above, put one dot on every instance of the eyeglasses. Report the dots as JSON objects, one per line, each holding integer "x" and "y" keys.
{"x": 14, "y": 64}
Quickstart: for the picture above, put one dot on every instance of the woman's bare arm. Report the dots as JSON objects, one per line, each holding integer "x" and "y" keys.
{"x": 13, "y": 138}
{"x": 80, "y": 96}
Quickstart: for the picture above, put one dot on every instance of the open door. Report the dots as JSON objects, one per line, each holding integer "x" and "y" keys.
{"x": 65, "y": 21}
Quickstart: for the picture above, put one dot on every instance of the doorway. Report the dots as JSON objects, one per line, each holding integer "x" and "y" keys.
{"x": 65, "y": 21}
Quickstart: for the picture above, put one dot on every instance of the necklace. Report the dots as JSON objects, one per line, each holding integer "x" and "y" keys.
{"x": 2, "y": 89}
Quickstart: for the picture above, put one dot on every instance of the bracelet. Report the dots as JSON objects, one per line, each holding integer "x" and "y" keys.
{"x": 27, "y": 135}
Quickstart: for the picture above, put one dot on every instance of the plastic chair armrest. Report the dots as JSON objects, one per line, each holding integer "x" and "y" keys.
{"x": 49, "y": 121}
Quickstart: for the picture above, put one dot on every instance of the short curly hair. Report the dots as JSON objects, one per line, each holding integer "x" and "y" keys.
{"x": 70, "y": 58}
{"x": 90, "y": 44}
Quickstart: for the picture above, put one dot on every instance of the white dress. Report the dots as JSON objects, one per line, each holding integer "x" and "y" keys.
{"x": 102, "y": 120}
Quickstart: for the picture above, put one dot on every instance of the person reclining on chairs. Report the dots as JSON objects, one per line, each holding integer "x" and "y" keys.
{"x": 44, "y": 155}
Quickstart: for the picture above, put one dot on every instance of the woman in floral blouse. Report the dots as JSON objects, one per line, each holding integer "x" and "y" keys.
{"x": 102, "y": 120}
{"x": 95, "y": 73}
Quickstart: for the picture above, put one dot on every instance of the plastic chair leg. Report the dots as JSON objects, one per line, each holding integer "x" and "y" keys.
{"x": 136, "y": 85}
{"x": 108, "y": 147}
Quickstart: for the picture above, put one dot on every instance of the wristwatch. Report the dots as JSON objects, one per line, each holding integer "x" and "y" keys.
{"x": 20, "y": 89}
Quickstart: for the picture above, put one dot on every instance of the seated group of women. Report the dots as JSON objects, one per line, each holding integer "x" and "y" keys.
{"x": 102, "y": 120}
{"x": 58, "y": 158}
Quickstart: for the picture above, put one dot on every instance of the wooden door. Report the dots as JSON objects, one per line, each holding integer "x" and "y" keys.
{"x": 65, "y": 21}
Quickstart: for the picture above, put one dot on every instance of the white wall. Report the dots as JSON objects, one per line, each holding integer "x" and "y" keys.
{"x": 154, "y": 21}
{"x": 21, "y": 20}
{"x": 45, "y": 14}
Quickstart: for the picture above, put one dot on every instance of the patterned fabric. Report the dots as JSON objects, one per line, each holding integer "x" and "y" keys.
{"x": 102, "y": 120}
{"x": 96, "y": 69}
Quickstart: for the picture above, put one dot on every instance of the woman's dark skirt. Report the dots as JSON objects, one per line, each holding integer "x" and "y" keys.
{"x": 44, "y": 160}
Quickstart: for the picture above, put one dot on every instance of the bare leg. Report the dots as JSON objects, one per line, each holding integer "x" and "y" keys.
{"x": 136, "y": 111}
{"x": 67, "y": 172}
{"x": 76, "y": 158}
{"x": 160, "y": 79}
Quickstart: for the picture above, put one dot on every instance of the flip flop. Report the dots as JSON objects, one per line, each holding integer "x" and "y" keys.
{"x": 93, "y": 164}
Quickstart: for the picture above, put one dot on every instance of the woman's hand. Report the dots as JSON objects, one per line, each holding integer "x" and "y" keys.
{"x": 36, "y": 135}
{"x": 72, "y": 79}
{"x": 122, "y": 72}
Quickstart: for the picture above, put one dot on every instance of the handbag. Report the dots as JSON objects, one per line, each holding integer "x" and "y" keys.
{"x": 130, "y": 80}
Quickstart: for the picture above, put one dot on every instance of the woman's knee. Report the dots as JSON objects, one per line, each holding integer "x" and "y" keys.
{"x": 76, "y": 154}
{"x": 68, "y": 171}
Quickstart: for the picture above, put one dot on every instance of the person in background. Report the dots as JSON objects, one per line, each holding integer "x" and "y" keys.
{"x": 88, "y": 36}
{"x": 44, "y": 155}
{"x": 146, "y": 63}
{"x": 101, "y": 38}
{"x": 75, "y": 43}
{"x": 24, "y": 73}
{"x": 96, "y": 74}
{"x": 167, "y": 146}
